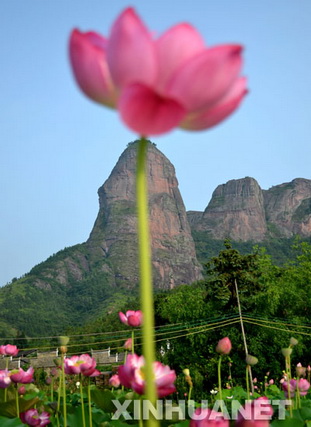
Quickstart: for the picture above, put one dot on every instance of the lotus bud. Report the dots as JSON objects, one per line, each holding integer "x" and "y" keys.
{"x": 251, "y": 360}
{"x": 224, "y": 346}
{"x": 286, "y": 352}
{"x": 22, "y": 390}
{"x": 57, "y": 361}
{"x": 293, "y": 342}
{"x": 54, "y": 372}
{"x": 63, "y": 349}
{"x": 300, "y": 370}
{"x": 128, "y": 344}
{"x": 187, "y": 377}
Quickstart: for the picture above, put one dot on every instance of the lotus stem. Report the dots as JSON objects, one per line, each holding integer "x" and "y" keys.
{"x": 64, "y": 391}
{"x": 247, "y": 382}
{"x": 219, "y": 383}
{"x": 52, "y": 389}
{"x": 146, "y": 289}
{"x": 17, "y": 400}
{"x": 133, "y": 337}
{"x": 82, "y": 400}
{"x": 90, "y": 402}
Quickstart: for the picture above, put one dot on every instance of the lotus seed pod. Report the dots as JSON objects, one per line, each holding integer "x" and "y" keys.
{"x": 251, "y": 360}
{"x": 63, "y": 340}
{"x": 286, "y": 352}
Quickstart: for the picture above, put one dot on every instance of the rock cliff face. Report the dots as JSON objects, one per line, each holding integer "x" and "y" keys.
{"x": 288, "y": 207}
{"x": 236, "y": 210}
{"x": 114, "y": 236}
{"x": 242, "y": 211}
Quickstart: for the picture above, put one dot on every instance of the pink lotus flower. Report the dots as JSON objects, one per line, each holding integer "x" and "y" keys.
{"x": 128, "y": 344}
{"x": 303, "y": 386}
{"x": 291, "y": 387}
{"x": 5, "y": 379}
{"x": 257, "y": 414}
{"x": 131, "y": 318}
{"x": 33, "y": 418}
{"x": 9, "y": 350}
{"x": 114, "y": 381}
{"x": 224, "y": 346}
{"x": 157, "y": 85}
{"x": 131, "y": 376}
{"x": 21, "y": 376}
{"x": 208, "y": 418}
{"x": 83, "y": 364}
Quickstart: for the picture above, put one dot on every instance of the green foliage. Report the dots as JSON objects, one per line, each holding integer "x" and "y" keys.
{"x": 266, "y": 292}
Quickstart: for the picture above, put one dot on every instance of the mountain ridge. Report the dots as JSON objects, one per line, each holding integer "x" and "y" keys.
{"x": 79, "y": 283}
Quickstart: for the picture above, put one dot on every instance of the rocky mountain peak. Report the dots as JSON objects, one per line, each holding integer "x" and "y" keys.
{"x": 236, "y": 210}
{"x": 114, "y": 235}
{"x": 242, "y": 211}
{"x": 288, "y": 207}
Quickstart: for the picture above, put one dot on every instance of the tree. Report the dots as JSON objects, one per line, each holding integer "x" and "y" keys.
{"x": 228, "y": 266}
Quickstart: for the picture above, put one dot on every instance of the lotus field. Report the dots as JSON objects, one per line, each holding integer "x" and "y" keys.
{"x": 67, "y": 394}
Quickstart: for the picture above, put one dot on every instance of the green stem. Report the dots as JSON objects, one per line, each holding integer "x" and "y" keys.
{"x": 52, "y": 389}
{"x": 64, "y": 391}
{"x": 298, "y": 401}
{"x": 140, "y": 421}
{"x": 219, "y": 382}
{"x": 59, "y": 392}
{"x": 82, "y": 400}
{"x": 247, "y": 382}
{"x": 90, "y": 402}
{"x": 17, "y": 400}
{"x": 133, "y": 337}
{"x": 146, "y": 290}
{"x": 190, "y": 392}
{"x": 6, "y": 368}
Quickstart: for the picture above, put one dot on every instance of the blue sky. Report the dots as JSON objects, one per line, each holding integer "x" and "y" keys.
{"x": 57, "y": 147}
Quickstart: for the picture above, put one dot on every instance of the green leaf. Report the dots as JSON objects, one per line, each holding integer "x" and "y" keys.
{"x": 8, "y": 409}
{"x": 288, "y": 422}
{"x": 11, "y": 422}
{"x": 305, "y": 413}
{"x": 103, "y": 400}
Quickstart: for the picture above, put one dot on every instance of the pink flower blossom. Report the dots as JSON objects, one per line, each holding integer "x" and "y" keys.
{"x": 5, "y": 379}
{"x": 258, "y": 413}
{"x": 114, "y": 381}
{"x": 128, "y": 344}
{"x": 131, "y": 318}
{"x": 131, "y": 376}
{"x": 9, "y": 350}
{"x": 291, "y": 388}
{"x": 208, "y": 418}
{"x": 158, "y": 84}
{"x": 224, "y": 346}
{"x": 83, "y": 364}
{"x": 21, "y": 376}
{"x": 303, "y": 386}
{"x": 33, "y": 418}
